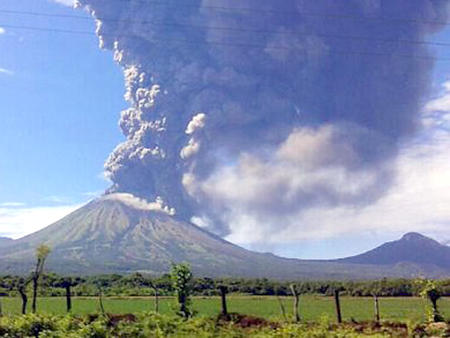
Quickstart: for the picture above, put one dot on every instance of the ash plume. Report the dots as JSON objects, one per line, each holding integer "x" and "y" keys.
{"x": 256, "y": 110}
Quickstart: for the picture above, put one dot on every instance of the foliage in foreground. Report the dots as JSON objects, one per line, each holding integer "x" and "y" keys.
{"x": 432, "y": 291}
{"x": 181, "y": 282}
{"x": 156, "y": 325}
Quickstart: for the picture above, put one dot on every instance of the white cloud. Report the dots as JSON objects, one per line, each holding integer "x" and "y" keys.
{"x": 12, "y": 205}
{"x": 139, "y": 203}
{"x": 93, "y": 194}
{"x": 197, "y": 122}
{"x": 418, "y": 202}
{"x": 441, "y": 103}
{"x": 16, "y": 221}
{"x": 2, "y": 31}
{"x": 69, "y": 3}
{"x": 202, "y": 222}
{"x": 6, "y": 71}
{"x": 190, "y": 149}
{"x": 57, "y": 199}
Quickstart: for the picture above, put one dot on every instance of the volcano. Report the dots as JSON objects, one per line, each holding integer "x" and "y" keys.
{"x": 112, "y": 235}
{"x": 412, "y": 247}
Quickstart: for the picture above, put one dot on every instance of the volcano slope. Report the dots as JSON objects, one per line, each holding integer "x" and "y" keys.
{"x": 109, "y": 235}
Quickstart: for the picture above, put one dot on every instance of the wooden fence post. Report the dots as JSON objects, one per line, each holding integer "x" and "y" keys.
{"x": 338, "y": 306}
{"x": 223, "y": 294}
{"x": 377, "y": 308}
{"x": 296, "y": 295}
{"x": 282, "y": 308}
{"x": 68, "y": 298}
{"x": 100, "y": 300}
{"x": 156, "y": 300}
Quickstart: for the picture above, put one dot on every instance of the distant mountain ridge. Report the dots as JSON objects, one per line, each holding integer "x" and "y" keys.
{"x": 5, "y": 240}
{"x": 110, "y": 235}
{"x": 412, "y": 247}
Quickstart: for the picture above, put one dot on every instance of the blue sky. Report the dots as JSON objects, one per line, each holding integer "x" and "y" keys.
{"x": 60, "y": 101}
{"x": 57, "y": 126}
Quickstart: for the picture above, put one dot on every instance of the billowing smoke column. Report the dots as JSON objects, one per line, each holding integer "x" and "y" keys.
{"x": 255, "y": 110}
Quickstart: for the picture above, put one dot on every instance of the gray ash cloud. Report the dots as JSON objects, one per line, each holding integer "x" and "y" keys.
{"x": 267, "y": 109}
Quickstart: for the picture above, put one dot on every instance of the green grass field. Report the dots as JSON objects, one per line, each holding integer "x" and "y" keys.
{"x": 312, "y": 308}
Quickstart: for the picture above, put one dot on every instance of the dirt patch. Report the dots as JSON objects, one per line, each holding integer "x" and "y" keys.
{"x": 245, "y": 321}
{"x": 393, "y": 329}
{"x": 113, "y": 320}
{"x": 432, "y": 330}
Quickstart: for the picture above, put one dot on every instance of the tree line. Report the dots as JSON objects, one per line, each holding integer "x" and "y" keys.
{"x": 143, "y": 285}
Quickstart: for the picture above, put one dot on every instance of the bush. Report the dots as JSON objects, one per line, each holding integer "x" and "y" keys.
{"x": 156, "y": 325}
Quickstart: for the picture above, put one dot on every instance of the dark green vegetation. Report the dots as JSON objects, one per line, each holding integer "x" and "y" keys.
{"x": 181, "y": 277}
{"x": 140, "y": 285}
{"x": 432, "y": 292}
{"x": 157, "y": 325}
{"x": 110, "y": 236}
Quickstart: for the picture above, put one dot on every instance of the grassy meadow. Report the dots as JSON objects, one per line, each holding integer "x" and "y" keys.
{"x": 312, "y": 308}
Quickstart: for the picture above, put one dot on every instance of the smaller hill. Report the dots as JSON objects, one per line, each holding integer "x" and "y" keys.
{"x": 412, "y": 248}
{"x": 5, "y": 241}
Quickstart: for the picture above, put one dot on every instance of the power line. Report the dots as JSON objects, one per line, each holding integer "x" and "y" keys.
{"x": 228, "y": 44}
{"x": 279, "y": 12}
{"x": 233, "y": 29}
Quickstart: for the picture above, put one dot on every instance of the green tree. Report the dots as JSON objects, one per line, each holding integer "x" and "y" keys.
{"x": 67, "y": 283}
{"x": 432, "y": 292}
{"x": 138, "y": 280}
{"x": 18, "y": 284}
{"x": 181, "y": 276}
{"x": 42, "y": 253}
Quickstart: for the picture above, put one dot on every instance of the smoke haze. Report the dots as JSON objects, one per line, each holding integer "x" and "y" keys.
{"x": 263, "y": 111}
